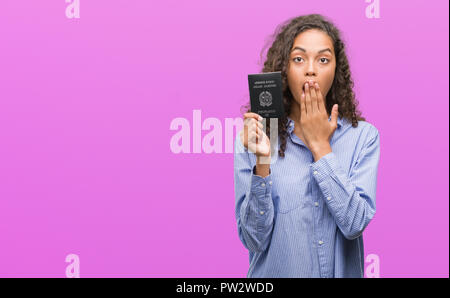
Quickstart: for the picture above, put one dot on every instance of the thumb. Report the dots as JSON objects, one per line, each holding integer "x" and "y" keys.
{"x": 334, "y": 115}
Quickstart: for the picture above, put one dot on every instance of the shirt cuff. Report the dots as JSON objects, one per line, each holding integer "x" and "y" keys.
{"x": 324, "y": 167}
{"x": 261, "y": 186}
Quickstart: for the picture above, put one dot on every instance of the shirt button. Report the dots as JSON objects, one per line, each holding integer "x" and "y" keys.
{"x": 270, "y": 182}
{"x": 329, "y": 198}
{"x": 261, "y": 212}
{"x": 292, "y": 124}
{"x": 320, "y": 242}
{"x": 263, "y": 184}
{"x": 315, "y": 172}
{"x": 315, "y": 203}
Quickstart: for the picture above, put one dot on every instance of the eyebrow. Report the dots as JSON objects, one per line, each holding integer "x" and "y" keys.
{"x": 321, "y": 51}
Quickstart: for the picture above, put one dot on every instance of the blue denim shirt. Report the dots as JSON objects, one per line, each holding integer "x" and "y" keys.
{"x": 306, "y": 218}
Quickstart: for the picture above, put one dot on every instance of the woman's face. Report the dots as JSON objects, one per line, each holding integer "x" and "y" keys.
{"x": 312, "y": 58}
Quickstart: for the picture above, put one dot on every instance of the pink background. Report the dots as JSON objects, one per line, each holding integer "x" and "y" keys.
{"x": 85, "y": 109}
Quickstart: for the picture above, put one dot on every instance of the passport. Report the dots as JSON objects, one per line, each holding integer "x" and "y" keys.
{"x": 266, "y": 95}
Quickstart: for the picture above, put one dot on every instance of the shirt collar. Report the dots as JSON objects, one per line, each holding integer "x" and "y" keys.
{"x": 290, "y": 124}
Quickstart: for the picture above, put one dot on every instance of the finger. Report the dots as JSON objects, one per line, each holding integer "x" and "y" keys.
{"x": 313, "y": 98}
{"x": 250, "y": 127}
{"x": 260, "y": 125}
{"x": 260, "y": 134}
{"x": 334, "y": 115}
{"x": 320, "y": 100}
{"x": 253, "y": 115}
{"x": 257, "y": 138}
{"x": 315, "y": 92}
{"x": 303, "y": 105}
{"x": 251, "y": 121}
{"x": 252, "y": 136}
{"x": 308, "y": 99}
{"x": 254, "y": 126}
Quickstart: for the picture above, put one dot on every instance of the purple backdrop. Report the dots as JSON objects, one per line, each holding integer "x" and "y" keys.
{"x": 85, "y": 110}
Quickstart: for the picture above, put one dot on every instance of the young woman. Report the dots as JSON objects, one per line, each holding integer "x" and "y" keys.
{"x": 303, "y": 214}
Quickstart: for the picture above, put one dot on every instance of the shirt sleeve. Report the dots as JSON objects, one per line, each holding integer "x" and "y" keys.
{"x": 350, "y": 197}
{"x": 254, "y": 208}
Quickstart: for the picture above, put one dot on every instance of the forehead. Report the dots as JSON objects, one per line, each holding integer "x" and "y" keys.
{"x": 313, "y": 40}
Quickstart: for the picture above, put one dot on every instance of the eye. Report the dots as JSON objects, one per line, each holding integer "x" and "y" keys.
{"x": 297, "y": 58}
{"x": 327, "y": 60}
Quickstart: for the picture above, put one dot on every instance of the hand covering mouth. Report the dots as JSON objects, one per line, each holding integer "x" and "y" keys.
{"x": 308, "y": 81}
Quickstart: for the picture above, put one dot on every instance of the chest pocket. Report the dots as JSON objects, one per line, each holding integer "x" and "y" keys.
{"x": 289, "y": 204}
{"x": 293, "y": 197}
{"x": 290, "y": 191}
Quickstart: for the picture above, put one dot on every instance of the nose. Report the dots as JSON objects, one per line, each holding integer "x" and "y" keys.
{"x": 310, "y": 71}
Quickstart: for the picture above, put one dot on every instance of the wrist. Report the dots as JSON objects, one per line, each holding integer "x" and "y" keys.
{"x": 263, "y": 160}
{"x": 262, "y": 170}
{"x": 320, "y": 149}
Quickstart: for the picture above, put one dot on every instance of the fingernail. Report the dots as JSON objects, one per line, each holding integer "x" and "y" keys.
{"x": 306, "y": 85}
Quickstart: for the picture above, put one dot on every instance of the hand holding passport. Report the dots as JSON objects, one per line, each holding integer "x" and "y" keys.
{"x": 253, "y": 136}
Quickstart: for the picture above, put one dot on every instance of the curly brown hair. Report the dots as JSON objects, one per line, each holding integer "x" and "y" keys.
{"x": 341, "y": 92}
